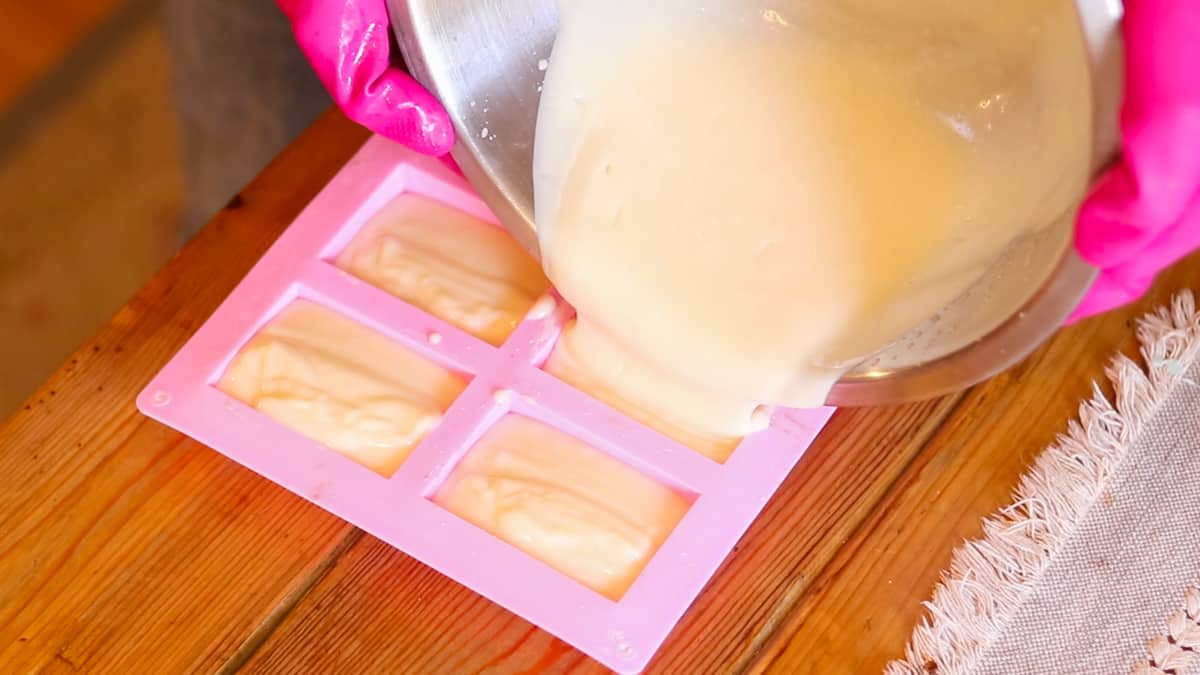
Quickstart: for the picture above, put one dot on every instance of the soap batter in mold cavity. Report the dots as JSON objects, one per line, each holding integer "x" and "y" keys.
{"x": 563, "y": 502}
{"x": 321, "y": 374}
{"x": 456, "y": 267}
{"x": 636, "y": 391}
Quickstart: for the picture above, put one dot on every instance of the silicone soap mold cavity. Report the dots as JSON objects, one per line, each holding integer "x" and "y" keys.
{"x": 579, "y": 510}
{"x": 456, "y": 267}
{"x": 317, "y": 372}
{"x": 712, "y": 503}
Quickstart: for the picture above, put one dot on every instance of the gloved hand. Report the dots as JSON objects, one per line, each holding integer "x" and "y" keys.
{"x": 1144, "y": 214}
{"x": 348, "y": 43}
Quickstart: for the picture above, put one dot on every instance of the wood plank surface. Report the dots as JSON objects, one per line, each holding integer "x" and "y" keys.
{"x": 125, "y": 547}
{"x": 859, "y": 614}
{"x": 122, "y": 543}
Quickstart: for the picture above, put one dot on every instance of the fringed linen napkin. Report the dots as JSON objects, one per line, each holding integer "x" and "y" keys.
{"x": 1095, "y": 566}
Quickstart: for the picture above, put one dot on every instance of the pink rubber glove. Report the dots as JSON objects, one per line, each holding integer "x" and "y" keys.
{"x": 348, "y": 43}
{"x": 1144, "y": 214}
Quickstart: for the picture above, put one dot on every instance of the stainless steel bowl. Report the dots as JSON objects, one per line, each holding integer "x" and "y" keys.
{"x": 486, "y": 59}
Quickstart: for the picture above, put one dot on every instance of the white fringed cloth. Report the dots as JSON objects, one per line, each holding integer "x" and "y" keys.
{"x": 1095, "y": 566}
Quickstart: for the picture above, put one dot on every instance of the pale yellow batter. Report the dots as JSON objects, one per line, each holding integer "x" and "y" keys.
{"x": 637, "y": 392}
{"x": 578, "y": 510}
{"x": 743, "y": 201}
{"x": 342, "y": 385}
{"x": 460, "y": 269}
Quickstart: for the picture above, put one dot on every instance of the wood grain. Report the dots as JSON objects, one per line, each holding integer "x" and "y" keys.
{"x": 122, "y": 543}
{"x": 861, "y": 611}
{"x": 376, "y": 594}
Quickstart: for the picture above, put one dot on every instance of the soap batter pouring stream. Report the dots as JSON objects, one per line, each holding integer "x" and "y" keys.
{"x": 742, "y": 201}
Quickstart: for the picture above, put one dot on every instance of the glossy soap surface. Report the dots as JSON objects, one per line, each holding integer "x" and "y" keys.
{"x": 741, "y": 201}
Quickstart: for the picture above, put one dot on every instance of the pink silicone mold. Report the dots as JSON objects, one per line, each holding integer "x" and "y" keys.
{"x": 622, "y": 635}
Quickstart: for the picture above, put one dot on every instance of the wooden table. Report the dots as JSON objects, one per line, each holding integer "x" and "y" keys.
{"x": 128, "y": 548}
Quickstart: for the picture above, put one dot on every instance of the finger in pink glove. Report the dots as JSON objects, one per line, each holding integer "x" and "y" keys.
{"x": 349, "y": 46}
{"x": 1144, "y": 213}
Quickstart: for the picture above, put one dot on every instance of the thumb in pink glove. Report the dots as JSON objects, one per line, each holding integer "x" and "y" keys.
{"x": 349, "y": 45}
{"x": 1144, "y": 214}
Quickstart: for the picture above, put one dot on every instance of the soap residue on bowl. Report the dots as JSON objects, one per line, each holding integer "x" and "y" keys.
{"x": 741, "y": 203}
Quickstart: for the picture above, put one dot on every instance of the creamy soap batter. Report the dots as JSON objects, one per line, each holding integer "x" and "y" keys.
{"x": 578, "y": 510}
{"x": 318, "y": 373}
{"x": 460, "y": 269}
{"x": 639, "y": 393}
{"x": 741, "y": 201}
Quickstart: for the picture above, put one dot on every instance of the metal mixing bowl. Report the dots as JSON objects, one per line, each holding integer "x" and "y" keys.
{"x": 485, "y": 60}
